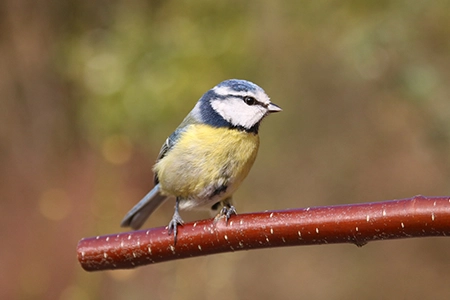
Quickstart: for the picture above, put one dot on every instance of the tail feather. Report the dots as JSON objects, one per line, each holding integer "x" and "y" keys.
{"x": 136, "y": 217}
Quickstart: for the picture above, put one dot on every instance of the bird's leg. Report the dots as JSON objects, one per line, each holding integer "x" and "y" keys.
{"x": 176, "y": 220}
{"x": 226, "y": 211}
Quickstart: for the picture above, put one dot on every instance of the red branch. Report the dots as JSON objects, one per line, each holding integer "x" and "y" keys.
{"x": 357, "y": 223}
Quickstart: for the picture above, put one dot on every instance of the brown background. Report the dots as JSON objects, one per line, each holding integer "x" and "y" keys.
{"x": 89, "y": 90}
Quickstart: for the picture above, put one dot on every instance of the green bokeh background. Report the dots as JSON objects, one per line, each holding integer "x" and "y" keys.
{"x": 89, "y": 90}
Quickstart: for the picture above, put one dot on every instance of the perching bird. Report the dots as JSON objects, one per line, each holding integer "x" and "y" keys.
{"x": 206, "y": 158}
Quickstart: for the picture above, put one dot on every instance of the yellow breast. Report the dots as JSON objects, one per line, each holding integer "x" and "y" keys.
{"x": 205, "y": 159}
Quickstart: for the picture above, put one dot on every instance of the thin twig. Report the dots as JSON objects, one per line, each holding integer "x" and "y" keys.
{"x": 356, "y": 223}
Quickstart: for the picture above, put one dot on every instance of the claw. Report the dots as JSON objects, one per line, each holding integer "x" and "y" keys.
{"x": 231, "y": 211}
{"x": 227, "y": 211}
{"x": 173, "y": 226}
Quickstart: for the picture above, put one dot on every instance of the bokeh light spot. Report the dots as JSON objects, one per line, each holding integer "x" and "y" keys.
{"x": 104, "y": 74}
{"x": 122, "y": 275}
{"x": 74, "y": 292}
{"x": 117, "y": 149}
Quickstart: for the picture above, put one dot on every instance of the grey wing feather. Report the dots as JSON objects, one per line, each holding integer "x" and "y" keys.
{"x": 164, "y": 149}
{"x": 136, "y": 217}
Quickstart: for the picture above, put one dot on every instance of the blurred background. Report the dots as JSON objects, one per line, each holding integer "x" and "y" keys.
{"x": 89, "y": 91}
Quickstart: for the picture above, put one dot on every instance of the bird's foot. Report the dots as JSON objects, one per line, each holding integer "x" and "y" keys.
{"x": 227, "y": 212}
{"x": 173, "y": 225}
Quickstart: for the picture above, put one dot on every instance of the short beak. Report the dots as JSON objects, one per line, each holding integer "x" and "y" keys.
{"x": 273, "y": 108}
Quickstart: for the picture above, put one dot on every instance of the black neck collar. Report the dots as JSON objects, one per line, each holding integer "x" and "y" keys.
{"x": 253, "y": 129}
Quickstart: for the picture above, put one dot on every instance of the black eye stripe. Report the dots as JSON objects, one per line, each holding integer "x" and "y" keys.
{"x": 249, "y": 100}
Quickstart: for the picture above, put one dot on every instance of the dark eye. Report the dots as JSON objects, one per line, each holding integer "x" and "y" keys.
{"x": 249, "y": 100}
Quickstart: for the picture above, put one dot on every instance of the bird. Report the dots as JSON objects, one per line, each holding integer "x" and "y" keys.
{"x": 209, "y": 154}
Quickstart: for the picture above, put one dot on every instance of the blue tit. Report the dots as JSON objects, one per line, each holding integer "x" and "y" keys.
{"x": 207, "y": 157}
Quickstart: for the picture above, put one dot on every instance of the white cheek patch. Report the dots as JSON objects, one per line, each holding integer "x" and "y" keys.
{"x": 235, "y": 111}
